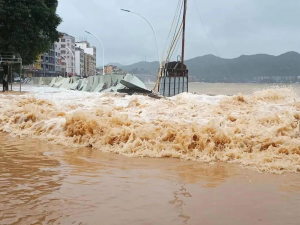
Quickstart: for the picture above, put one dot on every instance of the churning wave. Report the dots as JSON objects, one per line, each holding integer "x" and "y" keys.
{"x": 258, "y": 131}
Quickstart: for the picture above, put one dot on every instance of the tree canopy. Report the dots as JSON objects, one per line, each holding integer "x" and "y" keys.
{"x": 28, "y": 27}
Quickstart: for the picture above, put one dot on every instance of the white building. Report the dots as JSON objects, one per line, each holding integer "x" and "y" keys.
{"x": 80, "y": 63}
{"x": 57, "y": 57}
{"x": 67, "y": 41}
{"x": 91, "y": 57}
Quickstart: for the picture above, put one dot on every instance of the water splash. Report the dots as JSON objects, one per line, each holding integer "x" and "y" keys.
{"x": 259, "y": 131}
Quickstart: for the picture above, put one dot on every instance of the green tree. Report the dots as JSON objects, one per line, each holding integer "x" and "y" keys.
{"x": 28, "y": 27}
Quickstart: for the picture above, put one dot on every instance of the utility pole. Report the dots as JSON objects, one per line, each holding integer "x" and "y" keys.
{"x": 103, "y": 67}
{"x": 74, "y": 68}
{"x": 183, "y": 33}
{"x": 66, "y": 72}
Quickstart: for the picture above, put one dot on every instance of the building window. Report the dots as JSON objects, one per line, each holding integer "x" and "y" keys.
{"x": 63, "y": 52}
{"x": 68, "y": 44}
{"x": 63, "y": 46}
{"x": 63, "y": 40}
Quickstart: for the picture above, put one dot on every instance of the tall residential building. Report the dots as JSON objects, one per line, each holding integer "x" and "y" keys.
{"x": 67, "y": 60}
{"x": 91, "y": 56}
{"x": 48, "y": 63}
{"x": 80, "y": 62}
{"x": 57, "y": 58}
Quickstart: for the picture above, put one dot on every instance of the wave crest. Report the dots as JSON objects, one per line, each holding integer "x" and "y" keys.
{"x": 260, "y": 131}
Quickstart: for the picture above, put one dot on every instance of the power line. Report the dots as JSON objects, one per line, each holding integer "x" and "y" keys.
{"x": 176, "y": 29}
{"x": 211, "y": 42}
{"x": 176, "y": 13}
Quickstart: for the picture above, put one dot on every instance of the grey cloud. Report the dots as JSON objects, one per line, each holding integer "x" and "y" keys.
{"x": 235, "y": 26}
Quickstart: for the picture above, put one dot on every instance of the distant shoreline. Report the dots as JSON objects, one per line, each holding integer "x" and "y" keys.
{"x": 242, "y": 83}
{"x": 204, "y": 82}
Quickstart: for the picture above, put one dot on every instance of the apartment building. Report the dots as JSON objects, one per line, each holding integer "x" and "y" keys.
{"x": 67, "y": 51}
{"x": 111, "y": 69}
{"x": 80, "y": 62}
{"x": 48, "y": 62}
{"x": 85, "y": 64}
{"x": 91, "y": 57}
{"x": 57, "y": 58}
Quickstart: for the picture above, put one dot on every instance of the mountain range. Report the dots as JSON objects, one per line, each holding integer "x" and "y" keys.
{"x": 246, "y": 68}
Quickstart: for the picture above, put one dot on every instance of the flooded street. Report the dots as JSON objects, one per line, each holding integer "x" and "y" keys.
{"x": 50, "y": 184}
{"x": 106, "y": 116}
{"x": 70, "y": 157}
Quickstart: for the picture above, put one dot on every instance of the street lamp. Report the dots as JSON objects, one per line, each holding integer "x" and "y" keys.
{"x": 102, "y": 48}
{"x": 71, "y": 60}
{"x": 66, "y": 64}
{"x": 128, "y": 11}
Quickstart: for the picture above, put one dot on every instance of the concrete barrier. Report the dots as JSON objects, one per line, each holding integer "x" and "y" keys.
{"x": 52, "y": 82}
{"x": 91, "y": 84}
{"x": 60, "y": 82}
{"x": 46, "y": 80}
{"x": 66, "y": 83}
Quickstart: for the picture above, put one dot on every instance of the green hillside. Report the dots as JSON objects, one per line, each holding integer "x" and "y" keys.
{"x": 246, "y": 68}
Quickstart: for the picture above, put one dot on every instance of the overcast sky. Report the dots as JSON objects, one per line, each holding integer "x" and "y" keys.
{"x": 236, "y": 27}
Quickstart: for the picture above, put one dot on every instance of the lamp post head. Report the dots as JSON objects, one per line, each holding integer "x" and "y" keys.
{"x": 125, "y": 10}
{"x": 87, "y": 32}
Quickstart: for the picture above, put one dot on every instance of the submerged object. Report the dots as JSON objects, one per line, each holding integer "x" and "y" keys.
{"x": 131, "y": 84}
{"x": 173, "y": 79}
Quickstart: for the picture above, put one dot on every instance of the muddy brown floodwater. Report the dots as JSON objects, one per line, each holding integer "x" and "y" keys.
{"x": 42, "y": 183}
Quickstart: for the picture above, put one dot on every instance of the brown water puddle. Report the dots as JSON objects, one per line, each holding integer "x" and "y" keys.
{"x": 48, "y": 184}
